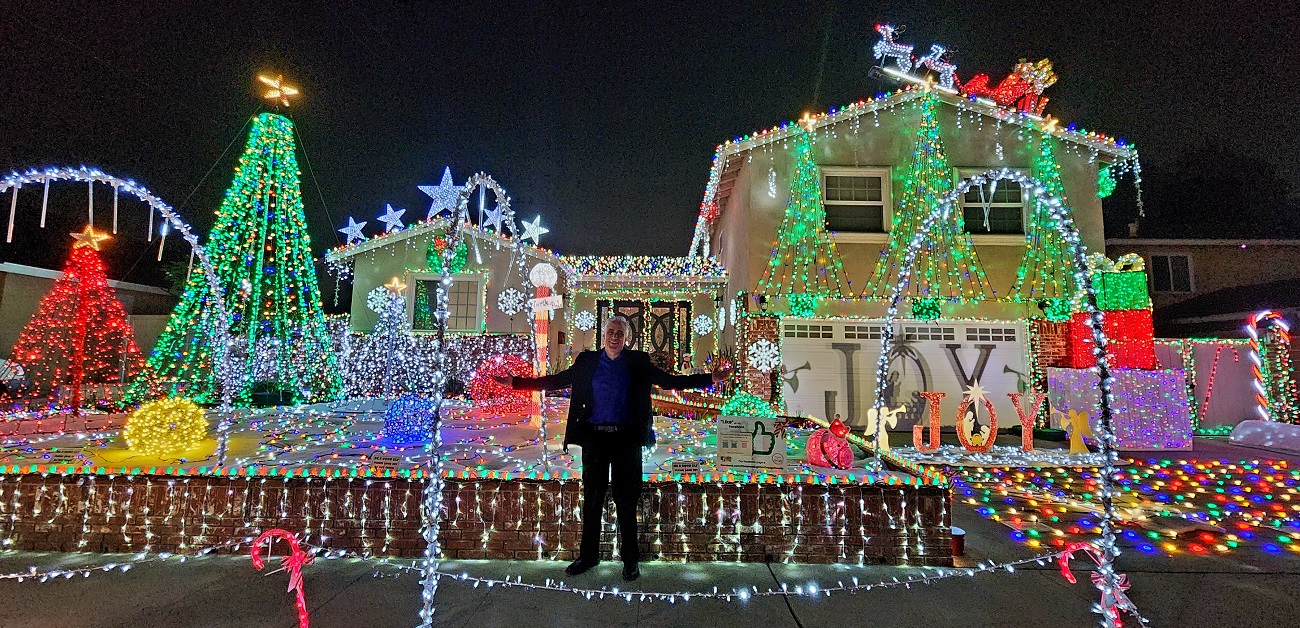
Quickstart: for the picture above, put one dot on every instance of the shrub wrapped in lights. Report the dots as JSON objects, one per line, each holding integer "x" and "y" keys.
{"x": 490, "y": 395}
{"x": 747, "y": 404}
{"x": 166, "y": 428}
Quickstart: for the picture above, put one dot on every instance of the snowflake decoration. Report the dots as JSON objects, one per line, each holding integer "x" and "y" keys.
{"x": 764, "y": 355}
{"x": 585, "y": 320}
{"x": 379, "y": 299}
{"x": 703, "y": 325}
{"x": 510, "y": 301}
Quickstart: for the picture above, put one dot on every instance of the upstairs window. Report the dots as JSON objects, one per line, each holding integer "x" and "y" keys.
{"x": 1171, "y": 273}
{"x": 855, "y": 199}
{"x": 1000, "y": 211}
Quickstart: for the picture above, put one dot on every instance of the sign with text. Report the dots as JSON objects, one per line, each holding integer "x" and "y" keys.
{"x": 384, "y": 462}
{"x": 542, "y": 304}
{"x": 751, "y": 442}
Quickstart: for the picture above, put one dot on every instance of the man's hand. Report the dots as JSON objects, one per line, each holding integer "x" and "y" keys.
{"x": 721, "y": 372}
{"x": 504, "y": 380}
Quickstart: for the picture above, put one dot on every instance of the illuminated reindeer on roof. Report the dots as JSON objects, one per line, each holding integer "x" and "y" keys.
{"x": 887, "y": 48}
{"x": 1023, "y": 88}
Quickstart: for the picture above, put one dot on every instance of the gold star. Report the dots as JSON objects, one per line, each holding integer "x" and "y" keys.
{"x": 1049, "y": 124}
{"x": 89, "y": 238}
{"x": 396, "y": 285}
{"x": 808, "y": 121}
{"x": 278, "y": 90}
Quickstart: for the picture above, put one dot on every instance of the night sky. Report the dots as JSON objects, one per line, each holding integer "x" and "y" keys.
{"x": 601, "y": 119}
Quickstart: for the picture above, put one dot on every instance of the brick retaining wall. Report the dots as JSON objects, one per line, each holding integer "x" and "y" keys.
{"x": 496, "y": 519}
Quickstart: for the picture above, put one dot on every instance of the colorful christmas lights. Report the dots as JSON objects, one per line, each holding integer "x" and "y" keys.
{"x": 946, "y": 265}
{"x": 262, "y": 254}
{"x": 804, "y": 260}
{"x": 79, "y": 336}
{"x": 166, "y": 428}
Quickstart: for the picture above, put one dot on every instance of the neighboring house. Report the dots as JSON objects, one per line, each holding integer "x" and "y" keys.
{"x": 22, "y": 287}
{"x": 1208, "y": 287}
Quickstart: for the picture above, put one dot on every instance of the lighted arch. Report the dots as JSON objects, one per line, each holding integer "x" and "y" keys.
{"x": 1060, "y": 215}
{"x": 91, "y": 176}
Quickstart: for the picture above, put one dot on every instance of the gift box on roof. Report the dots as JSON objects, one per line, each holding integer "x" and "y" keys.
{"x": 1120, "y": 285}
{"x": 1130, "y": 341}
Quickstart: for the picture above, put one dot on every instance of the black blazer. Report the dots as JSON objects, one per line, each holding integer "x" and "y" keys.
{"x": 642, "y": 373}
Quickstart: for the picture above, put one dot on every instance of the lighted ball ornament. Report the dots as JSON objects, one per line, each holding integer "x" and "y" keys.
{"x": 829, "y": 447}
{"x": 166, "y": 428}
{"x": 409, "y": 419}
{"x": 490, "y": 395}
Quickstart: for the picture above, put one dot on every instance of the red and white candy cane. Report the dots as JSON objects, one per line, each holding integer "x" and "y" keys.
{"x": 1112, "y": 601}
{"x": 1256, "y": 362}
{"x": 293, "y": 563}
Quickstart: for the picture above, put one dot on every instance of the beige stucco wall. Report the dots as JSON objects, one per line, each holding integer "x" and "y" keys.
{"x": 751, "y": 217}
{"x": 21, "y": 294}
{"x": 406, "y": 258}
{"x": 1217, "y": 265}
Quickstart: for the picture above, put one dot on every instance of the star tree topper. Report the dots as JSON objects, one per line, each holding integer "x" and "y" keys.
{"x": 392, "y": 219}
{"x": 277, "y": 89}
{"x": 534, "y": 230}
{"x": 88, "y": 238}
{"x": 353, "y": 230}
{"x": 444, "y": 194}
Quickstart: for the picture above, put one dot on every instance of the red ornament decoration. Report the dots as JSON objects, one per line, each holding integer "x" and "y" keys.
{"x": 495, "y": 397}
{"x": 1026, "y": 418}
{"x": 293, "y": 563}
{"x": 933, "y": 398}
{"x": 79, "y": 335}
{"x": 1130, "y": 340}
{"x": 830, "y": 448}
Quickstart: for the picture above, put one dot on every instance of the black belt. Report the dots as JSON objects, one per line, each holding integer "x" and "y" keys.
{"x": 610, "y": 429}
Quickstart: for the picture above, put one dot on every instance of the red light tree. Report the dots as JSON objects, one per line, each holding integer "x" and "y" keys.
{"x": 79, "y": 334}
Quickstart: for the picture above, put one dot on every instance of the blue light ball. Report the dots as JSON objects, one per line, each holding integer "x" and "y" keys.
{"x": 409, "y": 419}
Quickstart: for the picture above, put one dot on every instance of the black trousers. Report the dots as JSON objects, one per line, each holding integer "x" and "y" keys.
{"x": 617, "y": 456}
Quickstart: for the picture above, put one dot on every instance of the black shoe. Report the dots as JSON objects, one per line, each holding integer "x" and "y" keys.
{"x": 579, "y": 567}
{"x": 630, "y": 573}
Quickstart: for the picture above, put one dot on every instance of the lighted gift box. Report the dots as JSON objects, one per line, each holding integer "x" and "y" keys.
{"x": 1130, "y": 340}
{"x": 1150, "y": 412}
{"x": 1122, "y": 290}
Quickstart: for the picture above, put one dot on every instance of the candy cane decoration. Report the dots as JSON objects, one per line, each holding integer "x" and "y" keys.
{"x": 1256, "y": 362}
{"x": 293, "y": 563}
{"x": 1112, "y": 600}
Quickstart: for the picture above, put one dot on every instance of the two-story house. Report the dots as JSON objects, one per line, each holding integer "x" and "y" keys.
{"x": 871, "y": 174}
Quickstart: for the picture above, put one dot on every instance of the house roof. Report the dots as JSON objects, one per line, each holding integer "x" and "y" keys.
{"x": 675, "y": 269}
{"x": 341, "y": 254}
{"x": 725, "y": 169}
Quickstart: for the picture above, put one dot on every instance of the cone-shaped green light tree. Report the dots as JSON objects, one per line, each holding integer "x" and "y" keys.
{"x": 946, "y": 265}
{"x": 262, "y": 255}
{"x": 805, "y": 267}
{"x": 1047, "y": 269}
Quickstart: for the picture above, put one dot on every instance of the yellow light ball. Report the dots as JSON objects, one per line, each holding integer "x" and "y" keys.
{"x": 166, "y": 428}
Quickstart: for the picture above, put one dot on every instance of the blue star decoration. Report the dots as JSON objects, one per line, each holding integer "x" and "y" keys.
{"x": 444, "y": 195}
{"x": 534, "y": 230}
{"x": 392, "y": 219}
{"x": 353, "y": 230}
